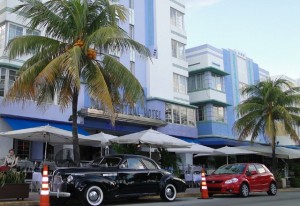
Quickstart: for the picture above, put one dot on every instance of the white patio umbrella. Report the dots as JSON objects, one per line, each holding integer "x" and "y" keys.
{"x": 152, "y": 138}
{"x": 233, "y": 151}
{"x": 103, "y": 138}
{"x": 281, "y": 152}
{"x": 49, "y": 135}
{"x": 195, "y": 148}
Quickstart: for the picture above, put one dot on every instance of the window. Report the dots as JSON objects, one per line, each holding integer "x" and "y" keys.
{"x": 252, "y": 168}
{"x": 168, "y": 113}
{"x": 200, "y": 113}
{"x": 149, "y": 165}
{"x": 176, "y": 115}
{"x": 12, "y": 77}
{"x": 180, "y": 115}
{"x": 177, "y": 18}
{"x": 2, "y": 36}
{"x": 178, "y": 49}
{"x": 183, "y": 115}
{"x": 131, "y": 31}
{"x": 135, "y": 164}
{"x": 32, "y": 32}
{"x": 179, "y": 84}
{"x": 131, "y": 4}
{"x": 15, "y": 31}
{"x": 7, "y": 78}
{"x": 2, "y": 81}
{"x": 218, "y": 114}
{"x": 217, "y": 82}
{"x": 132, "y": 67}
{"x": 260, "y": 168}
{"x": 242, "y": 86}
{"x": 196, "y": 82}
{"x": 191, "y": 117}
{"x": 22, "y": 148}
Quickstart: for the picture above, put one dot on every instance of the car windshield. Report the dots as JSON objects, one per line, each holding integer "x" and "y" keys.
{"x": 230, "y": 169}
{"x": 107, "y": 162}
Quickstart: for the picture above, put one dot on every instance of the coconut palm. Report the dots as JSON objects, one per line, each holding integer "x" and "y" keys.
{"x": 73, "y": 54}
{"x": 270, "y": 104}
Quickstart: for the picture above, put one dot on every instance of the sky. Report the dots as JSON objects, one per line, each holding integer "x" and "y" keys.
{"x": 267, "y": 31}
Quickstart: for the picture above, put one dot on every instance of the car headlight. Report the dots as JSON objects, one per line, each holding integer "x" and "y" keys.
{"x": 70, "y": 178}
{"x": 233, "y": 180}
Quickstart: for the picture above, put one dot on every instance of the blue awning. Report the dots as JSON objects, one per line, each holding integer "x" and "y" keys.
{"x": 17, "y": 123}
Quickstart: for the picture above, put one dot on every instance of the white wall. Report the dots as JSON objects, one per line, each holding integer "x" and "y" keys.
{"x": 208, "y": 94}
{"x": 6, "y": 143}
{"x": 160, "y": 72}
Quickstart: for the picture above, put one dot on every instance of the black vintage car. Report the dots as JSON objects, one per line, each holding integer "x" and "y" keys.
{"x": 115, "y": 176}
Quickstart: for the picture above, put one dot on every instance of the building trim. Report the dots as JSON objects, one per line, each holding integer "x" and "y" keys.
{"x": 210, "y": 69}
{"x": 122, "y": 117}
{"x": 179, "y": 4}
{"x": 171, "y": 102}
{"x": 211, "y": 101}
{"x": 10, "y": 66}
{"x": 180, "y": 67}
{"x": 178, "y": 34}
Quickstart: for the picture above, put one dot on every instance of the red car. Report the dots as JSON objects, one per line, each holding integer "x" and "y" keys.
{"x": 241, "y": 179}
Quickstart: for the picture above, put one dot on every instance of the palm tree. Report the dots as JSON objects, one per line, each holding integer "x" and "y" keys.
{"x": 270, "y": 103}
{"x": 74, "y": 52}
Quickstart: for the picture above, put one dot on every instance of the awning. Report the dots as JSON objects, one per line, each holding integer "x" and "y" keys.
{"x": 18, "y": 123}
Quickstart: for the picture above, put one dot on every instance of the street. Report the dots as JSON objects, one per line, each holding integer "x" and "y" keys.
{"x": 290, "y": 198}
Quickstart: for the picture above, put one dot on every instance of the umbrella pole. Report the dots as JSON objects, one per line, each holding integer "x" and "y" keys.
{"x": 45, "y": 155}
{"x": 227, "y": 159}
{"x": 150, "y": 151}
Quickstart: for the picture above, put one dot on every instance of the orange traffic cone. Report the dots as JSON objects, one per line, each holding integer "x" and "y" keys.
{"x": 44, "y": 195}
{"x": 203, "y": 186}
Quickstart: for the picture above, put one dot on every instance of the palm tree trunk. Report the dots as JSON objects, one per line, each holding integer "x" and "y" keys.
{"x": 76, "y": 151}
{"x": 274, "y": 162}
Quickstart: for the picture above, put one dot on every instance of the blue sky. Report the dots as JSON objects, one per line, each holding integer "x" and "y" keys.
{"x": 267, "y": 31}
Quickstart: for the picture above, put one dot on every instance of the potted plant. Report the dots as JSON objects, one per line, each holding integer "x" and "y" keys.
{"x": 12, "y": 184}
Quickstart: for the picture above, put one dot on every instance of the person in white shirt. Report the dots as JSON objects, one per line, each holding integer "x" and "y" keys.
{"x": 11, "y": 160}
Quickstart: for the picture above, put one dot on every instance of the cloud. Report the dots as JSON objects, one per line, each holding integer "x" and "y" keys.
{"x": 196, "y": 4}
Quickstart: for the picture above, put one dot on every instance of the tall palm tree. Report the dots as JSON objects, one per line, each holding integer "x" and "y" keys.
{"x": 74, "y": 52}
{"x": 270, "y": 103}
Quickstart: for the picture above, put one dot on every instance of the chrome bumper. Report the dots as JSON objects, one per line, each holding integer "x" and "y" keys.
{"x": 59, "y": 194}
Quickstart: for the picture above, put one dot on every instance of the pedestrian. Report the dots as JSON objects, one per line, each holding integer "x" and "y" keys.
{"x": 11, "y": 160}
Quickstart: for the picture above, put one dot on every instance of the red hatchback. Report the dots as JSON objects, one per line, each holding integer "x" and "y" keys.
{"x": 241, "y": 179}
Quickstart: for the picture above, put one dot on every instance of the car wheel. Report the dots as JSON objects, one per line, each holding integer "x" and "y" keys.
{"x": 273, "y": 189}
{"x": 244, "y": 190}
{"x": 168, "y": 193}
{"x": 93, "y": 196}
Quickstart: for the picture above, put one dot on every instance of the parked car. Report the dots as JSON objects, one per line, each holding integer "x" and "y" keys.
{"x": 241, "y": 179}
{"x": 114, "y": 176}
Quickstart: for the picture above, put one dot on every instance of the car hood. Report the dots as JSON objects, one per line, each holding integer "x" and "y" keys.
{"x": 223, "y": 176}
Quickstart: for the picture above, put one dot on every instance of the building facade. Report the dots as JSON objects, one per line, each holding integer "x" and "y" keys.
{"x": 216, "y": 77}
{"x": 164, "y": 78}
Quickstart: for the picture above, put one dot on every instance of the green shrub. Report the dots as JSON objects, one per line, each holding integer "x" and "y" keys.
{"x": 12, "y": 177}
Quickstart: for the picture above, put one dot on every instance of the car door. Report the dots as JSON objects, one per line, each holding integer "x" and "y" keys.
{"x": 263, "y": 178}
{"x": 132, "y": 177}
{"x": 153, "y": 177}
{"x": 253, "y": 177}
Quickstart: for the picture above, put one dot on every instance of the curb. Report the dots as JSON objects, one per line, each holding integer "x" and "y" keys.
{"x": 21, "y": 202}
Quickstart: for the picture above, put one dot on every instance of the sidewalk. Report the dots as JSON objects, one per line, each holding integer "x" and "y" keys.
{"x": 34, "y": 197}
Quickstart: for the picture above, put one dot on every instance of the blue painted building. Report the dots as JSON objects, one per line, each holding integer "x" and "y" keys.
{"x": 216, "y": 77}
